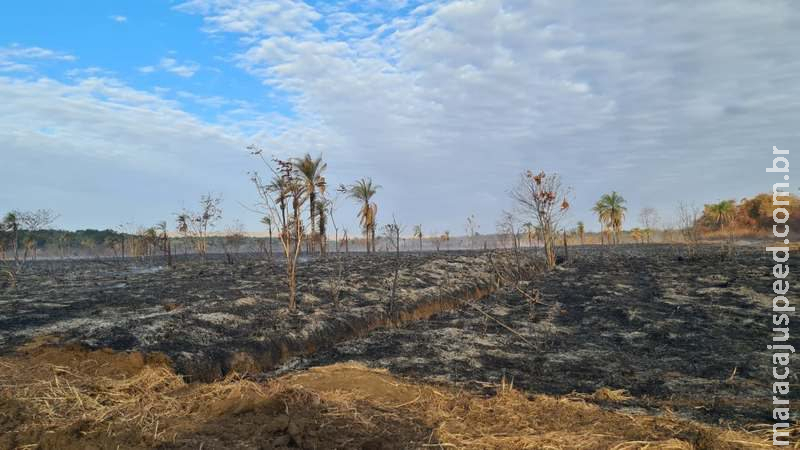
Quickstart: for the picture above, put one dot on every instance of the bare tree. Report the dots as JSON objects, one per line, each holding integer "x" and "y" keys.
{"x": 195, "y": 224}
{"x": 544, "y": 198}
{"x": 648, "y": 217}
{"x": 418, "y": 234}
{"x": 36, "y": 220}
{"x": 283, "y": 200}
{"x": 689, "y": 225}
{"x": 29, "y": 222}
{"x": 392, "y": 232}
{"x": 472, "y": 230}
{"x": 507, "y": 230}
{"x": 232, "y": 241}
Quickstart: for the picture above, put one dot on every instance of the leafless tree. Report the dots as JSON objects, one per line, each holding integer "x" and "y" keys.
{"x": 543, "y": 197}
{"x": 472, "y": 230}
{"x": 689, "y": 225}
{"x": 648, "y": 217}
{"x": 508, "y": 231}
{"x": 30, "y": 222}
{"x": 195, "y": 224}
{"x": 232, "y": 241}
{"x": 282, "y": 200}
{"x": 36, "y": 220}
{"x": 392, "y": 232}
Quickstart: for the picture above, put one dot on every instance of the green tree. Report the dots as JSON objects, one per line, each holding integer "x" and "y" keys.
{"x": 310, "y": 171}
{"x": 720, "y": 214}
{"x": 362, "y": 191}
{"x": 610, "y": 210}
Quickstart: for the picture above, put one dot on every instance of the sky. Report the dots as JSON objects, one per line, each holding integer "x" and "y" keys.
{"x": 126, "y": 112}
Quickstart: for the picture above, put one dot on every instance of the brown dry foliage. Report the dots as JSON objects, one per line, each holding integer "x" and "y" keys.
{"x": 140, "y": 402}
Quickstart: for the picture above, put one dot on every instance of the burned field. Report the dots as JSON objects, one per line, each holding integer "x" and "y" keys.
{"x": 211, "y": 318}
{"x": 678, "y": 334}
{"x": 635, "y": 329}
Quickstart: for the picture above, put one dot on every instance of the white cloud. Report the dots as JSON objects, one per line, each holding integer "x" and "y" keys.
{"x": 118, "y": 18}
{"x": 102, "y": 152}
{"x": 616, "y": 95}
{"x": 185, "y": 69}
{"x": 447, "y": 100}
{"x": 17, "y": 58}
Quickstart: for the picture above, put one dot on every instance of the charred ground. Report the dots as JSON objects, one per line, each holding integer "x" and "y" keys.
{"x": 677, "y": 333}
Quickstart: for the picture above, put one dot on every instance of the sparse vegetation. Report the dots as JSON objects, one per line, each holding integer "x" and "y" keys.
{"x": 543, "y": 197}
{"x": 196, "y": 224}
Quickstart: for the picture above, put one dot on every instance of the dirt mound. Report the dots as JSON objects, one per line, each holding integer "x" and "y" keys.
{"x": 71, "y": 398}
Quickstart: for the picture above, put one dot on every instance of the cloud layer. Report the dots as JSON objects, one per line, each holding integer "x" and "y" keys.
{"x": 444, "y": 103}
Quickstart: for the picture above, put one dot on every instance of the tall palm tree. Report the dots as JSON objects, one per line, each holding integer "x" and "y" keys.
{"x": 581, "y": 229}
{"x": 183, "y": 229}
{"x": 310, "y": 170}
{"x": 267, "y": 220}
{"x": 362, "y": 191}
{"x": 610, "y": 210}
{"x": 11, "y": 223}
{"x": 322, "y": 221}
{"x": 418, "y": 234}
{"x": 720, "y": 213}
{"x": 602, "y": 217}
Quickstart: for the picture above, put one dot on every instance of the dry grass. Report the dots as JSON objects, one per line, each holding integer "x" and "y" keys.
{"x": 511, "y": 420}
{"x": 103, "y": 388}
{"x": 108, "y": 389}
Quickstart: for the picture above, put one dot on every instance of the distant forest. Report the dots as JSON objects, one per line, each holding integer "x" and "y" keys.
{"x": 746, "y": 217}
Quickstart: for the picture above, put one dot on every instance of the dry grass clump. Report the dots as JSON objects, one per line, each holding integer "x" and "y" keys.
{"x": 604, "y": 394}
{"x": 510, "y": 420}
{"x": 101, "y": 387}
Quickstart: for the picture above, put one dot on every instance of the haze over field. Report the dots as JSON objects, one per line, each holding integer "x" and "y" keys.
{"x": 127, "y": 112}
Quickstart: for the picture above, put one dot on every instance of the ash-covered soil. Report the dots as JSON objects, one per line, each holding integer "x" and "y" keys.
{"x": 678, "y": 334}
{"x": 685, "y": 335}
{"x": 211, "y": 317}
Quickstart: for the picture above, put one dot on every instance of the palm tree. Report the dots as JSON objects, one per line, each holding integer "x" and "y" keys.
{"x": 418, "y": 234}
{"x": 279, "y": 186}
{"x": 322, "y": 218}
{"x": 150, "y": 237}
{"x": 446, "y": 238}
{"x": 610, "y": 210}
{"x": 581, "y": 229}
{"x": 602, "y": 217}
{"x": 310, "y": 172}
{"x": 267, "y": 220}
{"x": 720, "y": 213}
{"x": 11, "y": 223}
{"x": 183, "y": 229}
{"x": 166, "y": 246}
{"x": 362, "y": 191}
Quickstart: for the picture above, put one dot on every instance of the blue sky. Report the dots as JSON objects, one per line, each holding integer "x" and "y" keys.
{"x": 125, "y": 112}
{"x": 126, "y": 39}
